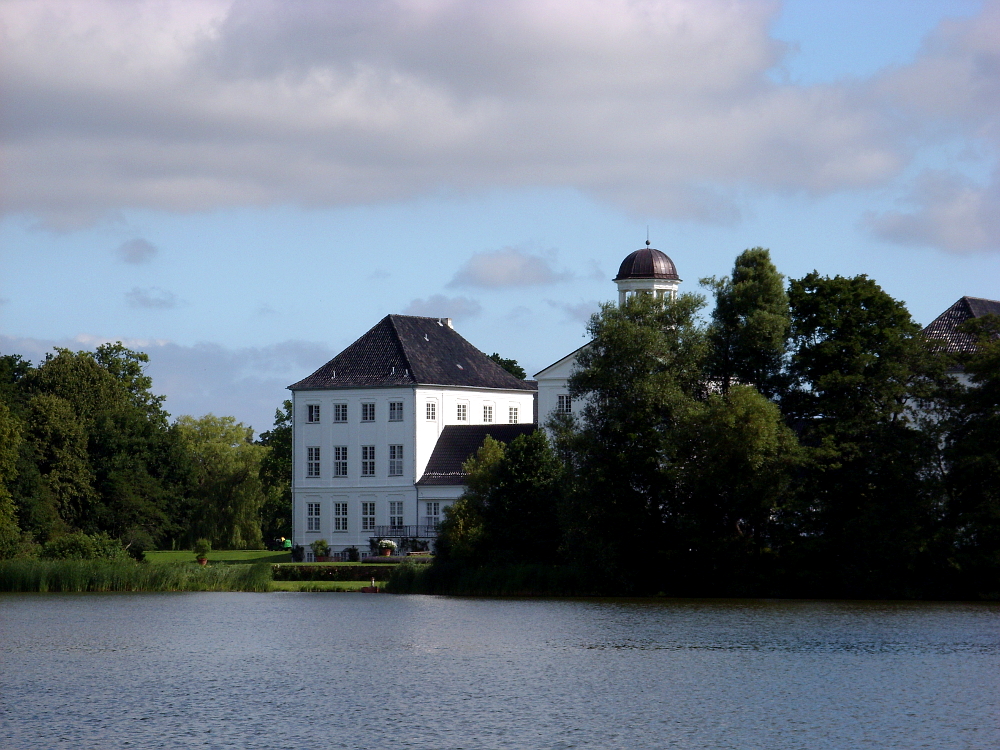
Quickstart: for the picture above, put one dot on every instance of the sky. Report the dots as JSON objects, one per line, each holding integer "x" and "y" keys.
{"x": 241, "y": 189}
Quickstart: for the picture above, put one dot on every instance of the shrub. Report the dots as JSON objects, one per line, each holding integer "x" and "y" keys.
{"x": 80, "y": 546}
{"x": 298, "y": 553}
{"x": 320, "y": 548}
{"x": 201, "y": 548}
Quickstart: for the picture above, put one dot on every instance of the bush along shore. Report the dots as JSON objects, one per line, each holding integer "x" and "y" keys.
{"x": 526, "y": 579}
{"x": 125, "y": 575}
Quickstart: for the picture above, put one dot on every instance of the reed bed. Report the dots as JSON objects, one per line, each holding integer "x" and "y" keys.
{"x": 104, "y": 575}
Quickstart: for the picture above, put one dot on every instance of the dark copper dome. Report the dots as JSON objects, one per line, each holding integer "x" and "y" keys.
{"x": 647, "y": 263}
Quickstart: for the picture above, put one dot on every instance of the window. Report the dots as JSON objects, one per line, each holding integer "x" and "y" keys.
{"x": 312, "y": 517}
{"x": 312, "y": 462}
{"x": 463, "y": 413}
{"x": 340, "y": 460}
{"x": 487, "y": 414}
{"x": 368, "y": 516}
{"x": 340, "y": 516}
{"x": 396, "y": 513}
{"x": 367, "y": 412}
{"x": 512, "y": 415}
{"x": 312, "y": 413}
{"x": 565, "y": 405}
{"x": 395, "y": 411}
{"x": 367, "y": 460}
{"x": 340, "y": 412}
{"x": 433, "y": 514}
{"x": 432, "y": 410}
{"x": 395, "y": 460}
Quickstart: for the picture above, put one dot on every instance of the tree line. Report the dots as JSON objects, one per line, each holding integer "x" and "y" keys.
{"x": 804, "y": 440}
{"x": 86, "y": 448}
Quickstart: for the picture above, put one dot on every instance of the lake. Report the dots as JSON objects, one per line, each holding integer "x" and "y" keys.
{"x": 237, "y": 670}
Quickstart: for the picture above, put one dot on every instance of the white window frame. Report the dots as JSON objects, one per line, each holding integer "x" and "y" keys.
{"x": 512, "y": 415}
{"x": 395, "y": 460}
{"x": 367, "y": 460}
{"x": 313, "y": 517}
{"x": 312, "y": 413}
{"x": 462, "y": 413}
{"x": 395, "y": 514}
{"x": 368, "y": 411}
{"x": 340, "y": 516}
{"x": 564, "y": 404}
{"x": 368, "y": 515}
{"x": 313, "y": 462}
{"x": 340, "y": 460}
{"x": 340, "y": 412}
{"x": 431, "y": 411}
{"x": 487, "y": 414}
{"x": 395, "y": 411}
{"x": 433, "y": 513}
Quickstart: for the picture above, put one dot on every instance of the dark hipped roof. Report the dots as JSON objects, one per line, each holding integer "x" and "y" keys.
{"x": 407, "y": 350}
{"x": 945, "y": 325}
{"x": 457, "y": 443}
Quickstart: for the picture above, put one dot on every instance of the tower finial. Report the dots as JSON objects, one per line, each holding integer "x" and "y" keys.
{"x": 647, "y": 235}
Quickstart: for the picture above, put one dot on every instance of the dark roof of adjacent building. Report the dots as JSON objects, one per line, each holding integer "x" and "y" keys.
{"x": 457, "y": 443}
{"x": 647, "y": 263}
{"x": 945, "y": 326}
{"x": 410, "y": 350}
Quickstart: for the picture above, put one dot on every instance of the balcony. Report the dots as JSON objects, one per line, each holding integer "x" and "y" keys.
{"x": 419, "y": 531}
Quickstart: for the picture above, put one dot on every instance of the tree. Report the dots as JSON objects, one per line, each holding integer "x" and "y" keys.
{"x": 639, "y": 378}
{"x": 462, "y": 531}
{"x": 973, "y": 451}
{"x": 750, "y": 325}
{"x": 226, "y": 486}
{"x": 276, "y": 475}
{"x": 10, "y": 443}
{"x": 510, "y": 365}
{"x": 867, "y": 511}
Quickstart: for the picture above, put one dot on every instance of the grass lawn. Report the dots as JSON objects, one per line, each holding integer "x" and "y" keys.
{"x": 220, "y": 556}
{"x": 322, "y": 585}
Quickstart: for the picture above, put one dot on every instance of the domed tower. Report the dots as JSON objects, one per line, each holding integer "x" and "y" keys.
{"x": 647, "y": 271}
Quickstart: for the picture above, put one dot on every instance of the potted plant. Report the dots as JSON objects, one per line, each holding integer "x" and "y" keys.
{"x": 321, "y": 550}
{"x": 386, "y": 547}
{"x": 201, "y": 549}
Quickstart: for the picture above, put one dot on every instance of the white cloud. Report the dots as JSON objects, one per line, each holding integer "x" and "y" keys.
{"x": 247, "y": 383}
{"x": 575, "y": 312}
{"x": 152, "y": 298}
{"x": 137, "y": 251}
{"x": 439, "y": 306}
{"x": 663, "y": 107}
{"x": 951, "y": 213}
{"x": 508, "y": 267}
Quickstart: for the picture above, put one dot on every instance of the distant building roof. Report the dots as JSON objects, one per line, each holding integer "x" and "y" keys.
{"x": 409, "y": 350}
{"x": 945, "y": 326}
{"x": 457, "y": 443}
{"x": 647, "y": 263}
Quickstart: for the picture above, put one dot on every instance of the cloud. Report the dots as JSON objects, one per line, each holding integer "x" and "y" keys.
{"x": 507, "y": 267}
{"x": 666, "y": 108}
{"x": 247, "y": 383}
{"x": 439, "y": 306}
{"x": 578, "y": 312}
{"x": 137, "y": 251}
{"x": 152, "y": 298}
{"x": 951, "y": 213}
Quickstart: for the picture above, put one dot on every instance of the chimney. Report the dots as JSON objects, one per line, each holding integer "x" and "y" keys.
{"x": 447, "y": 322}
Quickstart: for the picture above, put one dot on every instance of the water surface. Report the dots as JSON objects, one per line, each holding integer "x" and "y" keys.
{"x": 346, "y": 670}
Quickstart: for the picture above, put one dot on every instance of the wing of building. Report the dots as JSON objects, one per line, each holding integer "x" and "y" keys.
{"x": 379, "y": 431}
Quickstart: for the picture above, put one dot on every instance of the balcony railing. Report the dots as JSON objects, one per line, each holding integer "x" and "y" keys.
{"x": 418, "y": 531}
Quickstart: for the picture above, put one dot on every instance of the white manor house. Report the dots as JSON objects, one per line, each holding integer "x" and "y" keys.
{"x": 380, "y": 432}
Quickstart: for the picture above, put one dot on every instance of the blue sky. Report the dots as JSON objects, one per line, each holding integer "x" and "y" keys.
{"x": 241, "y": 189}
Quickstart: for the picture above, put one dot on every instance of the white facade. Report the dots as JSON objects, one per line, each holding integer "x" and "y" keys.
{"x": 553, "y": 388}
{"x": 387, "y": 447}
